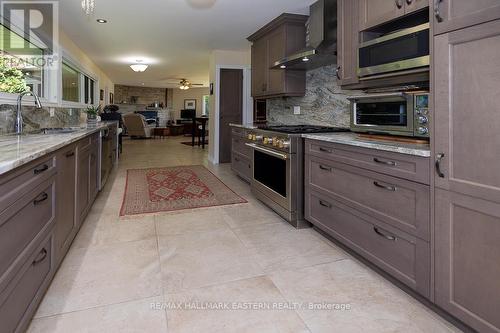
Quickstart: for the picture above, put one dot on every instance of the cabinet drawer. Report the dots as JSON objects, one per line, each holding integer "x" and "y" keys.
{"x": 237, "y": 131}
{"x": 239, "y": 146}
{"x": 405, "y": 257}
{"x": 19, "y": 300}
{"x": 241, "y": 165}
{"x": 19, "y": 182}
{"x": 85, "y": 143}
{"x": 400, "y": 203}
{"x": 409, "y": 167}
{"x": 22, "y": 224}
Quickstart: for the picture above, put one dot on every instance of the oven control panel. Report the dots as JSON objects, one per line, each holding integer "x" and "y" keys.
{"x": 422, "y": 115}
{"x": 270, "y": 141}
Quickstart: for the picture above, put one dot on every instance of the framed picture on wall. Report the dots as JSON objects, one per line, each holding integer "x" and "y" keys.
{"x": 101, "y": 95}
{"x": 111, "y": 98}
{"x": 189, "y": 104}
{"x": 211, "y": 88}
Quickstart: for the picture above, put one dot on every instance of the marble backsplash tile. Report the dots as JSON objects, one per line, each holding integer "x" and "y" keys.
{"x": 324, "y": 103}
{"x": 34, "y": 118}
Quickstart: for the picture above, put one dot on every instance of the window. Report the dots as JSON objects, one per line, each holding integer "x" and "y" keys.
{"x": 88, "y": 90}
{"x": 206, "y": 105}
{"x": 70, "y": 84}
{"x": 20, "y": 72}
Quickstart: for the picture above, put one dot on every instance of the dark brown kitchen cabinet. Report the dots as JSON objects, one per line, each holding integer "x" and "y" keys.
{"x": 347, "y": 43}
{"x": 467, "y": 200}
{"x": 278, "y": 39}
{"x": 87, "y": 176}
{"x": 377, "y": 12}
{"x": 452, "y": 15}
{"x": 241, "y": 154}
{"x": 66, "y": 226}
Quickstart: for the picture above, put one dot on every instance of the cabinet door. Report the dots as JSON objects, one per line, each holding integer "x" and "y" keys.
{"x": 93, "y": 173}
{"x": 83, "y": 188}
{"x": 467, "y": 259}
{"x": 466, "y": 121}
{"x": 457, "y": 14}
{"x": 347, "y": 43}
{"x": 65, "y": 228}
{"x": 276, "y": 44}
{"x": 259, "y": 68}
{"x": 414, "y": 5}
{"x": 375, "y": 12}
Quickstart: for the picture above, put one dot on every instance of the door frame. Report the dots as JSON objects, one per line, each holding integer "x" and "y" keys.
{"x": 247, "y": 110}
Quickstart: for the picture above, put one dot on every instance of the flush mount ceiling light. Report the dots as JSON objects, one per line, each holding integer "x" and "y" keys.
{"x": 201, "y": 4}
{"x": 305, "y": 59}
{"x": 102, "y": 21}
{"x": 282, "y": 66}
{"x": 139, "y": 67}
{"x": 88, "y": 6}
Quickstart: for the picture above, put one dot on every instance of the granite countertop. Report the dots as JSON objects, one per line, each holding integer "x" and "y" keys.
{"x": 245, "y": 126}
{"x": 17, "y": 150}
{"x": 353, "y": 139}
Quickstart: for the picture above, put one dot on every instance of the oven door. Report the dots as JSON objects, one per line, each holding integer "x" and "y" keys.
{"x": 271, "y": 175}
{"x": 383, "y": 113}
{"x": 402, "y": 50}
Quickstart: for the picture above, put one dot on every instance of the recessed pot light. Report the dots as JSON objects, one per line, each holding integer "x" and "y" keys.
{"x": 282, "y": 66}
{"x": 102, "y": 21}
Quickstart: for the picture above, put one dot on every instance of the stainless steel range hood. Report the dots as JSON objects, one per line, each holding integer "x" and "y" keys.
{"x": 321, "y": 39}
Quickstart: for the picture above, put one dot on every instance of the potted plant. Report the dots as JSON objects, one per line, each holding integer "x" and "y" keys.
{"x": 92, "y": 112}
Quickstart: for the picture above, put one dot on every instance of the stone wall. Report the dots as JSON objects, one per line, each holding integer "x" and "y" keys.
{"x": 35, "y": 119}
{"x": 324, "y": 103}
{"x": 145, "y": 95}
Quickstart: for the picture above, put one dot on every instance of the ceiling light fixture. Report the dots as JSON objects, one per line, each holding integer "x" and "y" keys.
{"x": 305, "y": 59}
{"x": 88, "y": 6}
{"x": 139, "y": 67}
{"x": 282, "y": 66}
{"x": 102, "y": 21}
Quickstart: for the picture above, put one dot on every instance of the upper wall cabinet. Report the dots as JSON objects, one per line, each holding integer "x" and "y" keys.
{"x": 278, "y": 39}
{"x": 376, "y": 12}
{"x": 456, "y": 14}
{"x": 347, "y": 42}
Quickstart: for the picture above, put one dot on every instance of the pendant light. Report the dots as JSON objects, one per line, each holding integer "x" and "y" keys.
{"x": 88, "y": 7}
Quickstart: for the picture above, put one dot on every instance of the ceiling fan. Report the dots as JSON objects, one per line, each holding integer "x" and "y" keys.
{"x": 185, "y": 84}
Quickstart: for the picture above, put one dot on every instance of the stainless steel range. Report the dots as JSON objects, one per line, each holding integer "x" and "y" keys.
{"x": 278, "y": 168}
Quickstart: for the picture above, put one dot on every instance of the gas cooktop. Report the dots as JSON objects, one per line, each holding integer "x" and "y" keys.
{"x": 304, "y": 129}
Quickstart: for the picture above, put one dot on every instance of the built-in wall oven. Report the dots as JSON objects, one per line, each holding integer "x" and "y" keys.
{"x": 399, "y": 113}
{"x": 406, "y": 49}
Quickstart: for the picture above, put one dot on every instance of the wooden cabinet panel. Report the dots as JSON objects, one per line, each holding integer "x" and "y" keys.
{"x": 467, "y": 259}
{"x": 408, "y": 167}
{"x": 467, "y": 126}
{"x": 259, "y": 68}
{"x": 276, "y": 48}
{"x": 66, "y": 226}
{"x": 415, "y": 5}
{"x": 93, "y": 175}
{"x": 457, "y": 14}
{"x": 82, "y": 187}
{"x": 400, "y": 203}
{"x": 347, "y": 41}
{"x": 241, "y": 166}
{"x": 405, "y": 257}
{"x": 375, "y": 12}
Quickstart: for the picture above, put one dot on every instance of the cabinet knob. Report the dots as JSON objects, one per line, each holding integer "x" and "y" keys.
{"x": 399, "y": 4}
{"x": 437, "y": 11}
{"x": 439, "y": 158}
{"x": 409, "y": 2}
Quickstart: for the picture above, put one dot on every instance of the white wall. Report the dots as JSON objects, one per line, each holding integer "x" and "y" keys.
{"x": 194, "y": 93}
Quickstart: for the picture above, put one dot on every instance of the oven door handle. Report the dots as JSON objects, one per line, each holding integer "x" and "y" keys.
{"x": 267, "y": 151}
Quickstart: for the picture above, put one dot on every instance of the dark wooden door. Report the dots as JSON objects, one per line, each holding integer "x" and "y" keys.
{"x": 65, "y": 228}
{"x": 457, "y": 14}
{"x": 231, "y": 109}
{"x": 467, "y": 200}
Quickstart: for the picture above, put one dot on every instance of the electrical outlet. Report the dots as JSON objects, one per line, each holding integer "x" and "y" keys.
{"x": 296, "y": 110}
{"x": 52, "y": 112}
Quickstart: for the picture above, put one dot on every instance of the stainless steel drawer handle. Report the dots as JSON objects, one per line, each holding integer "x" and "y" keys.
{"x": 337, "y": 72}
{"x": 324, "y": 150}
{"x": 41, "y": 257}
{"x": 381, "y": 234}
{"x": 41, "y": 198}
{"x": 379, "y": 161}
{"x": 38, "y": 171}
{"x": 437, "y": 11}
{"x": 388, "y": 188}
{"x": 68, "y": 155}
{"x": 409, "y": 1}
{"x": 439, "y": 159}
{"x": 325, "y": 204}
{"x": 325, "y": 168}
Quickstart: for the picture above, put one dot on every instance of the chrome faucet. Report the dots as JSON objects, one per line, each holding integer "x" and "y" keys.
{"x": 19, "y": 116}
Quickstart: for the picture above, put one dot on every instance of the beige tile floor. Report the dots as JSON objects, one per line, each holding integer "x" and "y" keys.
{"x": 227, "y": 269}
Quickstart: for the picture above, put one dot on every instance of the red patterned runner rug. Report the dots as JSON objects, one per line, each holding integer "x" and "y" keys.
{"x": 176, "y": 188}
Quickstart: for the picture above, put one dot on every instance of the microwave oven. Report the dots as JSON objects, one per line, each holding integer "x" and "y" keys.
{"x": 406, "y": 49}
{"x": 401, "y": 113}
